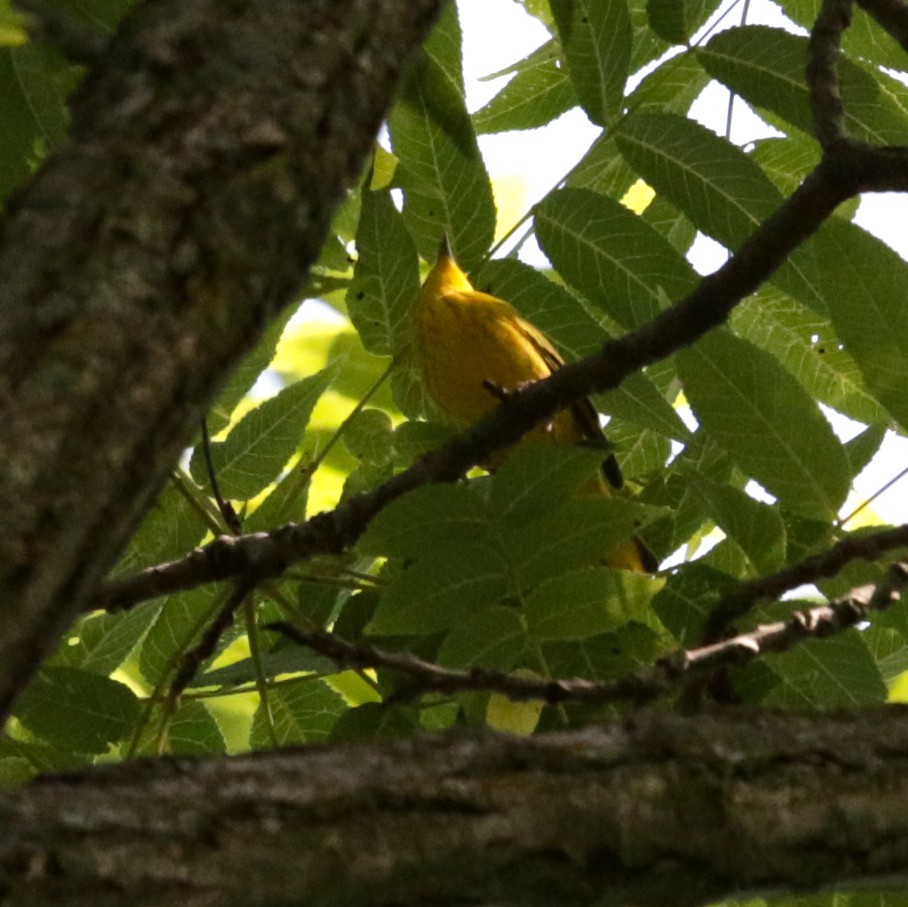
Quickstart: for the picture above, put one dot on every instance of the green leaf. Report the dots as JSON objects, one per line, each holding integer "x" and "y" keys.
{"x": 596, "y": 40}
{"x": 14, "y": 770}
{"x": 304, "y": 711}
{"x": 557, "y": 312}
{"x": 386, "y": 276}
{"x": 671, "y": 87}
{"x": 631, "y": 649}
{"x": 425, "y": 520}
{"x": 639, "y": 401}
{"x": 260, "y": 444}
{"x": 671, "y": 223}
{"x": 12, "y": 26}
{"x": 491, "y": 638}
{"x": 102, "y": 642}
{"x": 538, "y": 477}
{"x": 171, "y": 528}
{"x": 247, "y": 373}
{"x": 539, "y": 93}
{"x": 787, "y": 160}
{"x": 870, "y": 318}
{"x": 721, "y": 189}
{"x": 444, "y": 46}
{"x": 676, "y": 20}
{"x": 368, "y": 435}
{"x": 588, "y": 602}
{"x": 804, "y": 342}
{"x": 193, "y": 731}
{"x": 766, "y": 67}
{"x": 746, "y": 401}
{"x": 755, "y": 527}
{"x": 673, "y": 490}
{"x": 376, "y": 721}
{"x": 641, "y": 454}
{"x": 104, "y": 15}
{"x": 33, "y": 109}
{"x": 437, "y": 592}
{"x": 616, "y": 259}
{"x": 646, "y": 46}
{"x": 285, "y": 502}
{"x": 77, "y": 709}
{"x": 862, "y": 38}
{"x": 179, "y": 619}
{"x": 446, "y": 187}
{"x": 837, "y": 672}
{"x": 687, "y": 599}
{"x": 602, "y": 170}
{"x": 862, "y": 448}
{"x": 577, "y": 533}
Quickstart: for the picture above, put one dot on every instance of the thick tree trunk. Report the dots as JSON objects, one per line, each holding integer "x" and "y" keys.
{"x": 209, "y": 150}
{"x": 660, "y": 810}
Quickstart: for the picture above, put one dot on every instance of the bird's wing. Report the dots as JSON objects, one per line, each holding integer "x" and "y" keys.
{"x": 584, "y": 413}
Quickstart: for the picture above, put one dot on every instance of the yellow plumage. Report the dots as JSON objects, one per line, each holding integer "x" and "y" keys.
{"x": 467, "y": 341}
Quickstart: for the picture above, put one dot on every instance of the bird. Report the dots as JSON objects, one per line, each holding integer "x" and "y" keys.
{"x": 473, "y": 348}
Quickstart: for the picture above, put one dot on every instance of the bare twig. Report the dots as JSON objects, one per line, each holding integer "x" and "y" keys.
{"x": 228, "y": 514}
{"x": 191, "y": 661}
{"x": 816, "y": 567}
{"x": 425, "y": 676}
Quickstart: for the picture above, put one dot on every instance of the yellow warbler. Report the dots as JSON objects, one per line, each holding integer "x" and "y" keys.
{"x": 470, "y": 343}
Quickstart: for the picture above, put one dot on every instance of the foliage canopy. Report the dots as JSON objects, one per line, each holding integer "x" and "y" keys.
{"x": 503, "y": 571}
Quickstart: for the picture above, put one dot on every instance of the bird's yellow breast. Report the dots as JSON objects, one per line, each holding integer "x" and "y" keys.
{"x": 467, "y": 339}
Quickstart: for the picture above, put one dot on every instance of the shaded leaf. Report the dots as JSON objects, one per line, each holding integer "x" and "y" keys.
{"x": 260, "y": 444}
{"x": 304, "y": 711}
{"x": 588, "y": 602}
{"x": 385, "y": 278}
{"x": 616, "y": 259}
{"x": 539, "y": 93}
{"x": 436, "y": 593}
{"x": 746, "y": 401}
{"x": 77, "y": 709}
{"x": 596, "y": 41}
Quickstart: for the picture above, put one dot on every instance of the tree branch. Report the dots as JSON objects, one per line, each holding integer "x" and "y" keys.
{"x": 824, "y": 565}
{"x": 207, "y": 155}
{"x": 822, "y": 79}
{"x": 655, "y": 810}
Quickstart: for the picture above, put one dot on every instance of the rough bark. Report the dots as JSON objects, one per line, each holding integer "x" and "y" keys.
{"x": 209, "y": 149}
{"x": 660, "y": 810}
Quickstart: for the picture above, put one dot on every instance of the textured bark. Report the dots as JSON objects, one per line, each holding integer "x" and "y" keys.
{"x": 662, "y": 810}
{"x": 209, "y": 149}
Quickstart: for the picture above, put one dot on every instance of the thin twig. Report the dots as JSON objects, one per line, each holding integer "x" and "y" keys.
{"x": 882, "y": 490}
{"x": 261, "y": 680}
{"x": 228, "y": 514}
{"x": 827, "y": 564}
{"x": 192, "y": 660}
